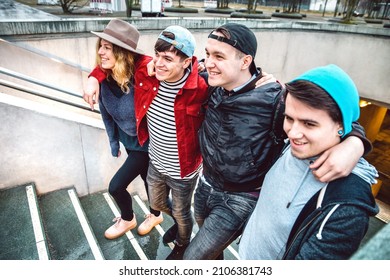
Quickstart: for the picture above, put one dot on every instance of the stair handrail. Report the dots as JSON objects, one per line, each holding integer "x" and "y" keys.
{"x": 37, "y": 93}
{"x": 43, "y": 84}
{"x": 45, "y": 54}
{"x": 36, "y": 81}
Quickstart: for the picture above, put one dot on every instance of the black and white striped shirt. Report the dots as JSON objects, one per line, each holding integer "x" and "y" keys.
{"x": 163, "y": 150}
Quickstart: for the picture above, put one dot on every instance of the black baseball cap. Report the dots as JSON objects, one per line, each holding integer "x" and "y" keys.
{"x": 240, "y": 37}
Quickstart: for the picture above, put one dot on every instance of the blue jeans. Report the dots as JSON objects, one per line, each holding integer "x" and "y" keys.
{"x": 221, "y": 217}
{"x": 178, "y": 206}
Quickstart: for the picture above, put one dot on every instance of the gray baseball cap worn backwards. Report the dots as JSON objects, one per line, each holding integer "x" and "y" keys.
{"x": 239, "y": 37}
{"x": 184, "y": 40}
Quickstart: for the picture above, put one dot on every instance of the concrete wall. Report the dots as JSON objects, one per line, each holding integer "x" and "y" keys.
{"x": 286, "y": 49}
{"x": 54, "y": 148}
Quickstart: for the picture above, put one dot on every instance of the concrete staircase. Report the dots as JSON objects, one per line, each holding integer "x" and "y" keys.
{"x": 62, "y": 226}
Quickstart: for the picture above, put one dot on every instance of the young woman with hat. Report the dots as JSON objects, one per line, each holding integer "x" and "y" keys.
{"x": 118, "y": 56}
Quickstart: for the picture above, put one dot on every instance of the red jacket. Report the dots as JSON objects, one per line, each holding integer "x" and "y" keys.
{"x": 189, "y": 111}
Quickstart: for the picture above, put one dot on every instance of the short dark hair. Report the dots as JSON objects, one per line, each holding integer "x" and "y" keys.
{"x": 164, "y": 46}
{"x": 315, "y": 97}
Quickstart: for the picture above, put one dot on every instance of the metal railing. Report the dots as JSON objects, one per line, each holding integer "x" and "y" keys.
{"x": 35, "y": 92}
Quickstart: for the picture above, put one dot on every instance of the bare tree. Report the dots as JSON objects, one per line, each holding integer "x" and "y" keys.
{"x": 370, "y": 7}
{"x": 222, "y": 4}
{"x": 68, "y": 6}
{"x": 323, "y": 12}
{"x": 350, "y": 7}
{"x": 386, "y": 9}
{"x": 291, "y": 6}
{"x": 336, "y": 9}
{"x": 251, "y": 6}
{"x": 373, "y": 8}
{"x": 129, "y": 7}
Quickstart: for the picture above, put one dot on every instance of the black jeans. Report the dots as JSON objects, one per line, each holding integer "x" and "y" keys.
{"x": 137, "y": 163}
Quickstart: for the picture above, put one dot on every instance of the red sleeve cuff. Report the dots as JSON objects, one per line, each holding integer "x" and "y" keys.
{"x": 98, "y": 73}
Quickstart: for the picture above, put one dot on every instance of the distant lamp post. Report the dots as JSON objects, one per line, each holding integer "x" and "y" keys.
{"x": 364, "y": 103}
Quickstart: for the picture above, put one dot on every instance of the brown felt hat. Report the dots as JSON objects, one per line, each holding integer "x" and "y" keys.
{"x": 122, "y": 34}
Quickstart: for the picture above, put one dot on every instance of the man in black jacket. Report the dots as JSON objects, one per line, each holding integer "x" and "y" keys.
{"x": 240, "y": 139}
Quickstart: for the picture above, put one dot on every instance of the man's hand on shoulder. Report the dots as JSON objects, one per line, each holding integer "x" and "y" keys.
{"x": 266, "y": 79}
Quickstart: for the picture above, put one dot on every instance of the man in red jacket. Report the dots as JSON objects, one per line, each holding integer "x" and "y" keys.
{"x": 169, "y": 112}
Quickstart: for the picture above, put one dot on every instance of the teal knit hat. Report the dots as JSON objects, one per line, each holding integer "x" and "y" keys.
{"x": 340, "y": 87}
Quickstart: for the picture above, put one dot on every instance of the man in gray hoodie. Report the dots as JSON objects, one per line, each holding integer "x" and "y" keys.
{"x": 297, "y": 216}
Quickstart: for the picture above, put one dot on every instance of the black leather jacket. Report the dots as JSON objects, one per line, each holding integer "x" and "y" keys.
{"x": 235, "y": 139}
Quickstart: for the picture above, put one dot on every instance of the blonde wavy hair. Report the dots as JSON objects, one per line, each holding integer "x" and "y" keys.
{"x": 124, "y": 67}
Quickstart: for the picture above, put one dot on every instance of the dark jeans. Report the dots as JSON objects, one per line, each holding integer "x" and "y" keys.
{"x": 221, "y": 217}
{"x": 137, "y": 163}
{"x": 179, "y": 206}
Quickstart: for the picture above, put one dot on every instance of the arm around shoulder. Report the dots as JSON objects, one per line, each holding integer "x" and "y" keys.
{"x": 359, "y": 132}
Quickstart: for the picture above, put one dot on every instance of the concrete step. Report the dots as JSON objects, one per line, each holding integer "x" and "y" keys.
{"x": 73, "y": 228}
{"x": 374, "y": 227}
{"x": 100, "y": 209}
{"x": 21, "y": 234}
{"x": 68, "y": 232}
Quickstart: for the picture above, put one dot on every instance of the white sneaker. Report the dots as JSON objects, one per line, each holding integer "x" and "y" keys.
{"x": 150, "y": 222}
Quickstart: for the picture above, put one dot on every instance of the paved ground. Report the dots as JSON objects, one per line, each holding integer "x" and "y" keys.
{"x": 17, "y": 11}
{"x": 56, "y": 11}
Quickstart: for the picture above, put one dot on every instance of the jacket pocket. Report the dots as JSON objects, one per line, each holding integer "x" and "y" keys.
{"x": 195, "y": 110}
{"x": 236, "y": 163}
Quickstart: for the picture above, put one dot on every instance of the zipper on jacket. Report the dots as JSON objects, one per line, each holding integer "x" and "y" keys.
{"x": 299, "y": 232}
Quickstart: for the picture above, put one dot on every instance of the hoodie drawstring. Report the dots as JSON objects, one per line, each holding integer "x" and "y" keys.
{"x": 321, "y": 197}
{"x": 319, "y": 234}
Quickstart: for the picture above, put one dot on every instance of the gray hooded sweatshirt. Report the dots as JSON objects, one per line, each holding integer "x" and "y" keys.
{"x": 287, "y": 187}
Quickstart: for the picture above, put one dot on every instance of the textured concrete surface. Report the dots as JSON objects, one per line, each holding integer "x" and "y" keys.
{"x": 10, "y": 10}
{"x": 55, "y": 152}
{"x": 377, "y": 248}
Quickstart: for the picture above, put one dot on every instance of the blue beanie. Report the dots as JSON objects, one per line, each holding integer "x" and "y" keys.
{"x": 340, "y": 87}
